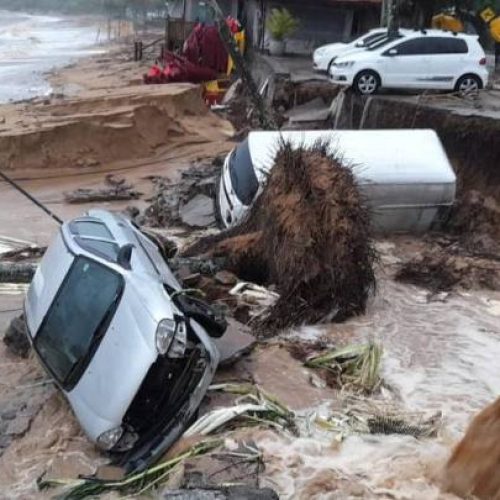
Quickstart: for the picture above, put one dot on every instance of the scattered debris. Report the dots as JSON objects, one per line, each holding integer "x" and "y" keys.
{"x": 29, "y": 252}
{"x": 253, "y": 407}
{"x": 360, "y": 415}
{"x": 318, "y": 254}
{"x": 240, "y": 463}
{"x": 198, "y": 212}
{"x": 257, "y": 298}
{"x": 355, "y": 367}
{"x": 235, "y": 343}
{"x": 223, "y": 493}
{"x": 188, "y": 202}
{"x": 16, "y": 338}
{"x": 135, "y": 483}
{"x": 14, "y": 272}
{"x": 116, "y": 189}
{"x": 381, "y": 424}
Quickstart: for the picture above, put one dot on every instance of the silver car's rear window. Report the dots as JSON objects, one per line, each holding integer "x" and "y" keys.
{"x": 77, "y": 319}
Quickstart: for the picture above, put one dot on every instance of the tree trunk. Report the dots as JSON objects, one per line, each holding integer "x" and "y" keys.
{"x": 265, "y": 119}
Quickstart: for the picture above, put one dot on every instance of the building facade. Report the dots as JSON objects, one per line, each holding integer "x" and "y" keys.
{"x": 320, "y": 21}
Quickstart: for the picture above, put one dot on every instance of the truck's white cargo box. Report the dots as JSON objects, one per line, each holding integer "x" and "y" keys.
{"x": 405, "y": 174}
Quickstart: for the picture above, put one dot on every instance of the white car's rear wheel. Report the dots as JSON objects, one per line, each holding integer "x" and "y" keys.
{"x": 367, "y": 83}
{"x": 468, "y": 84}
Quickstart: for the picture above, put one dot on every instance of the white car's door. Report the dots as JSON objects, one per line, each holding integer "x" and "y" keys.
{"x": 405, "y": 65}
{"x": 446, "y": 57}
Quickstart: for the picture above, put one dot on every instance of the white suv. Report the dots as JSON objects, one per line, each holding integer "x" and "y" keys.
{"x": 431, "y": 59}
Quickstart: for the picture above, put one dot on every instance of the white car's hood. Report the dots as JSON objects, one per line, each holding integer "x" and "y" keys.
{"x": 331, "y": 48}
{"x": 102, "y": 396}
{"x": 356, "y": 55}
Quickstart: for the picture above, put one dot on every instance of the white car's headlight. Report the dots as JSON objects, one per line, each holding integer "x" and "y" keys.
{"x": 107, "y": 440}
{"x": 164, "y": 335}
{"x": 346, "y": 64}
{"x": 319, "y": 52}
{"x": 171, "y": 338}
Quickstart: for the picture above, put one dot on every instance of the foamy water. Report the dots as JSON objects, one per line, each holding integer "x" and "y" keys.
{"x": 32, "y": 45}
{"x": 439, "y": 356}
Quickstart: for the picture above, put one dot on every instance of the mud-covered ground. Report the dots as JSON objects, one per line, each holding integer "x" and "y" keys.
{"x": 441, "y": 347}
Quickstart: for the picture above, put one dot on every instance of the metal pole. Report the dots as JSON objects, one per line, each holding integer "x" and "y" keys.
{"x": 31, "y": 198}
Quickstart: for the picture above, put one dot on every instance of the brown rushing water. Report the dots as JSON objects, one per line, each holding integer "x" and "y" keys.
{"x": 439, "y": 355}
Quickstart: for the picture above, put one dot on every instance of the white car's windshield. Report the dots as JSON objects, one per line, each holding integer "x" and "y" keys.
{"x": 369, "y": 39}
{"x": 243, "y": 177}
{"x": 77, "y": 319}
{"x": 381, "y": 42}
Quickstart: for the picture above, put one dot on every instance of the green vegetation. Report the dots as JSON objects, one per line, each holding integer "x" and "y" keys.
{"x": 281, "y": 24}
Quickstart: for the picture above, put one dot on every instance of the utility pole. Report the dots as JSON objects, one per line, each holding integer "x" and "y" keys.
{"x": 266, "y": 121}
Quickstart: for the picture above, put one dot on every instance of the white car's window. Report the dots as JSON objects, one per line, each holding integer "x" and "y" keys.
{"x": 78, "y": 319}
{"x": 91, "y": 228}
{"x": 94, "y": 237}
{"x": 369, "y": 39}
{"x": 243, "y": 178}
{"x": 382, "y": 41}
{"x": 431, "y": 46}
{"x": 104, "y": 249}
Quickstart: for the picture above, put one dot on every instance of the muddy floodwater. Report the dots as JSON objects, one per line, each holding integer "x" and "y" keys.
{"x": 440, "y": 355}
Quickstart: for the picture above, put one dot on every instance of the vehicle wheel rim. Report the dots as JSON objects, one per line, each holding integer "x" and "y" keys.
{"x": 468, "y": 85}
{"x": 367, "y": 84}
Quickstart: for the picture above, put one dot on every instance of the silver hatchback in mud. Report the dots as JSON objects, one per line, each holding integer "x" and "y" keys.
{"x": 131, "y": 352}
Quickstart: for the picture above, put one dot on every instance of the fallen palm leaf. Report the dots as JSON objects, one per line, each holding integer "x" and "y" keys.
{"x": 132, "y": 483}
{"x": 356, "y": 367}
{"x": 254, "y": 406}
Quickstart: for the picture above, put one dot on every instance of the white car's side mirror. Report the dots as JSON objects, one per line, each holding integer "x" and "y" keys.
{"x": 393, "y": 52}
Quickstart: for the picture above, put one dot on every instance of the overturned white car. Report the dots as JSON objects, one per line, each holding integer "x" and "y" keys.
{"x": 405, "y": 175}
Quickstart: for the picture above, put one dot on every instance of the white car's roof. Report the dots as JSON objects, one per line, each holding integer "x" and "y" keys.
{"x": 379, "y": 156}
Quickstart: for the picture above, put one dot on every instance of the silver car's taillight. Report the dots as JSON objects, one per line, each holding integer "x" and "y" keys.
{"x": 107, "y": 440}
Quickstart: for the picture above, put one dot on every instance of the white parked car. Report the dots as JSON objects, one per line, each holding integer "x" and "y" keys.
{"x": 405, "y": 175}
{"x": 324, "y": 56}
{"x": 431, "y": 59}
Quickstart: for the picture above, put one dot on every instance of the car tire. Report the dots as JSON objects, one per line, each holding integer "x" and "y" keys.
{"x": 366, "y": 82}
{"x": 468, "y": 84}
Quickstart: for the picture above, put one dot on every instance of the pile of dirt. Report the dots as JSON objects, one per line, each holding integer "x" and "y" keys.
{"x": 439, "y": 270}
{"x": 466, "y": 255}
{"x": 475, "y": 222}
{"x": 99, "y": 127}
{"x": 309, "y": 235}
